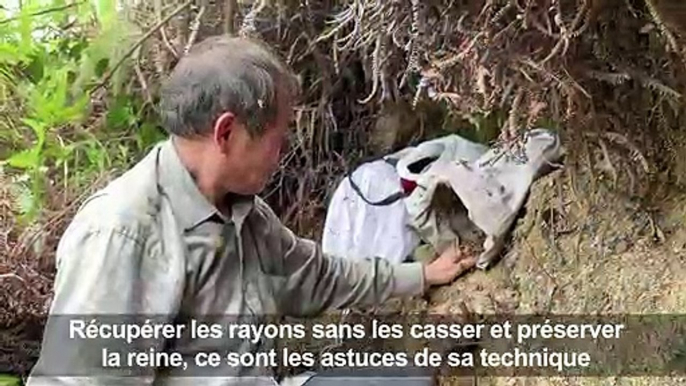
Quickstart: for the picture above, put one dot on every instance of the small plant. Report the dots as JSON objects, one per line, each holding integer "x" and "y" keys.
{"x": 51, "y": 61}
{"x": 8, "y": 380}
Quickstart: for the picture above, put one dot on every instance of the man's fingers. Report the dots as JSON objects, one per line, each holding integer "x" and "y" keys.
{"x": 461, "y": 254}
{"x": 466, "y": 264}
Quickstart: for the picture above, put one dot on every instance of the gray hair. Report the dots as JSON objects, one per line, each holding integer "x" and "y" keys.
{"x": 221, "y": 74}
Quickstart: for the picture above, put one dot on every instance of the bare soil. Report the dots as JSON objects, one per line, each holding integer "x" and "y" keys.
{"x": 581, "y": 248}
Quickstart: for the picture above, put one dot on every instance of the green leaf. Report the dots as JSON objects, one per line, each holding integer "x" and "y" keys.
{"x": 26, "y": 27}
{"x": 26, "y": 159}
{"x": 11, "y": 54}
{"x": 26, "y": 200}
{"x": 96, "y": 155}
{"x": 35, "y": 70}
{"x": 148, "y": 135}
{"x": 39, "y": 129}
{"x": 119, "y": 115}
{"x": 8, "y": 380}
{"x": 107, "y": 12}
{"x": 59, "y": 153}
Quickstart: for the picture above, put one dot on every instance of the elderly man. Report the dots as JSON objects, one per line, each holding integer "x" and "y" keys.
{"x": 183, "y": 232}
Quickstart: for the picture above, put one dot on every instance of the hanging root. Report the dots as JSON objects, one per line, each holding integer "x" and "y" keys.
{"x": 248, "y": 27}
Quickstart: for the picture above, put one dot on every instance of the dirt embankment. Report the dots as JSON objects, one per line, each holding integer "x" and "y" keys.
{"x": 578, "y": 251}
{"x": 581, "y": 248}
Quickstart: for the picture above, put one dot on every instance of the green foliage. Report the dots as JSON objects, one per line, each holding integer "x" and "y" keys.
{"x": 52, "y": 55}
{"x": 485, "y": 126}
{"x": 8, "y": 380}
{"x": 481, "y": 126}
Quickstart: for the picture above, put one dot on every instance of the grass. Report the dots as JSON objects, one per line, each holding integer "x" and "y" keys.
{"x": 8, "y": 380}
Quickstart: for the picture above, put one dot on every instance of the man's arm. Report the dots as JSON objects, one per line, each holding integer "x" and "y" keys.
{"x": 316, "y": 281}
{"x": 103, "y": 270}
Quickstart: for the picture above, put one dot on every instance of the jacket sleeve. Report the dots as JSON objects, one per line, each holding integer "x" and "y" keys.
{"x": 102, "y": 277}
{"x": 316, "y": 282}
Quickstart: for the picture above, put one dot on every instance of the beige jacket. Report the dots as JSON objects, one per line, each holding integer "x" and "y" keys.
{"x": 150, "y": 244}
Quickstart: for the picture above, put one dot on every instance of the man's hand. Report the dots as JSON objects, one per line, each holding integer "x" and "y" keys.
{"x": 452, "y": 263}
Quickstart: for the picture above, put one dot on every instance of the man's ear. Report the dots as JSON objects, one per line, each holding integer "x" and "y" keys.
{"x": 223, "y": 127}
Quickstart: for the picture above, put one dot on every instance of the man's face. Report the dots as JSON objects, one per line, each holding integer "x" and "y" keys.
{"x": 250, "y": 162}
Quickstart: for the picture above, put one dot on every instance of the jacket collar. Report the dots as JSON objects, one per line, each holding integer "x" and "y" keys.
{"x": 190, "y": 206}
